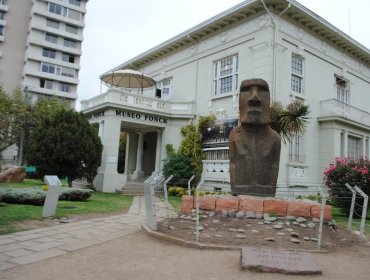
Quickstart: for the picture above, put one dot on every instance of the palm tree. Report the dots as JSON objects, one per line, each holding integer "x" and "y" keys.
{"x": 291, "y": 120}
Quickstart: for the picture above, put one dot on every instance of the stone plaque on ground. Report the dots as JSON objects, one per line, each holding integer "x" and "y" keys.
{"x": 52, "y": 196}
{"x": 279, "y": 261}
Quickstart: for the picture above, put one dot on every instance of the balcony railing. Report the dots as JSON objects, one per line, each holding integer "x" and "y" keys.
{"x": 216, "y": 170}
{"x": 131, "y": 100}
{"x": 335, "y": 108}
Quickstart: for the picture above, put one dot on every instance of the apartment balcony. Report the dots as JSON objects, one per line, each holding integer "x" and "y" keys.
{"x": 4, "y": 8}
{"x": 145, "y": 102}
{"x": 334, "y": 110}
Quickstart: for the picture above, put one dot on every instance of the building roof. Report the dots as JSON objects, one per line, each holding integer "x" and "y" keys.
{"x": 297, "y": 14}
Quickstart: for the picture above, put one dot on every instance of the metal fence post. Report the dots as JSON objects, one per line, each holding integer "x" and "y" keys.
{"x": 364, "y": 210}
{"x": 165, "y": 192}
{"x": 191, "y": 179}
{"x": 151, "y": 220}
{"x": 322, "y": 208}
{"x": 352, "y": 206}
{"x": 197, "y": 211}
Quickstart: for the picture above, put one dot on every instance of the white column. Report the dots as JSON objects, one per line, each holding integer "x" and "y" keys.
{"x": 158, "y": 151}
{"x": 345, "y": 144}
{"x": 108, "y": 179}
{"x": 138, "y": 173}
{"x": 127, "y": 153}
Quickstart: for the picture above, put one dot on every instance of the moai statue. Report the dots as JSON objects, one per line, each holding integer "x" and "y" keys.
{"x": 254, "y": 148}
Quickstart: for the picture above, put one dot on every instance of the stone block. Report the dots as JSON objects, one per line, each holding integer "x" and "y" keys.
{"x": 12, "y": 174}
{"x": 275, "y": 206}
{"x": 227, "y": 203}
{"x": 315, "y": 211}
{"x": 207, "y": 202}
{"x": 251, "y": 204}
{"x": 298, "y": 209}
{"x": 187, "y": 202}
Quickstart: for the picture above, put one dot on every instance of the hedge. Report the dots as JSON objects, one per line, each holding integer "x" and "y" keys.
{"x": 36, "y": 196}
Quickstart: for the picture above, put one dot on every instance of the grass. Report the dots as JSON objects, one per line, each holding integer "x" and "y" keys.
{"x": 342, "y": 220}
{"x": 98, "y": 203}
{"x": 175, "y": 201}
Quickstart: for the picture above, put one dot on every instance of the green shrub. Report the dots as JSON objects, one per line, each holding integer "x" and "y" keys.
{"x": 32, "y": 196}
{"x": 36, "y": 196}
{"x": 180, "y": 167}
{"x": 72, "y": 194}
{"x": 177, "y": 191}
{"x": 353, "y": 172}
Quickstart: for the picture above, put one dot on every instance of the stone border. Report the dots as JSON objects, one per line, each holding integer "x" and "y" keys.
{"x": 261, "y": 205}
{"x": 190, "y": 244}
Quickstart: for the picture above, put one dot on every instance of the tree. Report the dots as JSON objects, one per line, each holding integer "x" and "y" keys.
{"x": 65, "y": 145}
{"x": 287, "y": 121}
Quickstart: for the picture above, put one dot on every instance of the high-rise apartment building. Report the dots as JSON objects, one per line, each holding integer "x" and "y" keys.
{"x": 40, "y": 46}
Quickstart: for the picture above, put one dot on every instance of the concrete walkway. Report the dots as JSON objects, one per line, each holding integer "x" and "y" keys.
{"x": 43, "y": 243}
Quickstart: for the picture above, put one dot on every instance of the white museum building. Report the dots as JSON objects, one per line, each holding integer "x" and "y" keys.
{"x": 198, "y": 73}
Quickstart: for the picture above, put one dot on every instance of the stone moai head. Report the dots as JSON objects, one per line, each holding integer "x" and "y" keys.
{"x": 254, "y": 102}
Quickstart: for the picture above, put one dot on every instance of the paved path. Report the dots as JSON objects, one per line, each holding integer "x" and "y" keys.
{"x": 43, "y": 243}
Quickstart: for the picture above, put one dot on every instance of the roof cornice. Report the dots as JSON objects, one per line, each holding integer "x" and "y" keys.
{"x": 247, "y": 10}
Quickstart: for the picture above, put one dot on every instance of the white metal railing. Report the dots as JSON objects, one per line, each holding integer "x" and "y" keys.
{"x": 334, "y": 107}
{"x": 123, "y": 97}
{"x": 216, "y": 170}
{"x": 221, "y": 153}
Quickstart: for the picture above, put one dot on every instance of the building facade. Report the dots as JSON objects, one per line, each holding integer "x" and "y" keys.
{"x": 40, "y": 47}
{"x": 299, "y": 54}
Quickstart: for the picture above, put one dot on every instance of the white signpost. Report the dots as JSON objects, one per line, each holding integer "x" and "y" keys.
{"x": 52, "y": 196}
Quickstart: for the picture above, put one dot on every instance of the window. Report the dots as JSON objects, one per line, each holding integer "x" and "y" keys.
{"x": 341, "y": 90}
{"x": 47, "y": 67}
{"x": 75, "y": 2}
{"x": 65, "y": 87}
{"x": 225, "y": 75}
{"x": 51, "y": 38}
{"x": 68, "y": 72}
{"x": 165, "y": 89}
{"x": 46, "y": 84}
{"x": 297, "y": 74}
{"x": 70, "y": 43}
{"x": 296, "y": 148}
{"x": 71, "y": 29}
{"x": 1, "y": 30}
{"x": 354, "y": 149}
{"x": 57, "y": 9}
{"x": 48, "y": 53}
{"x": 52, "y": 23}
{"x": 72, "y": 14}
{"x": 68, "y": 58}
{"x": 3, "y": 2}
{"x": 2, "y": 15}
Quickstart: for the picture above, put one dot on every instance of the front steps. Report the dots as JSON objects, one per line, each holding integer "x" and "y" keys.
{"x": 135, "y": 188}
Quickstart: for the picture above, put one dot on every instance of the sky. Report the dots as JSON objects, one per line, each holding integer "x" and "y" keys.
{"x": 118, "y": 30}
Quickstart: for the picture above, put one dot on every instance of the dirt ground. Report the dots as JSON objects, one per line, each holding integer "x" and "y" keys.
{"x": 250, "y": 232}
{"x": 138, "y": 257}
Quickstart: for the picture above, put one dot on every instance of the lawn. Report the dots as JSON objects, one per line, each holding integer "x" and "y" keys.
{"x": 97, "y": 203}
{"x": 175, "y": 201}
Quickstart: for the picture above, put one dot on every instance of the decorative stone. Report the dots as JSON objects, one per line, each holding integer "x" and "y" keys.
{"x": 219, "y": 236}
{"x": 240, "y": 214}
{"x": 267, "y": 217}
{"x": 303, "y": 225}
{"x": 289, "y": 229}
{"x": 295, "y": 223}
{"x": 287, "y": 224}
{"x": 211, "y": 214}
{"x": 311, "y": 225}
{"x": 227, "y": 203}
{"x": 240, "y": 230}
{"x": 277, "y": 226}
{"x": 296, "y": 208}
{"x": 295, "y": 240}
{"x": 215, "y": 221}
{"x": 241, "y": 236}
{"x": 200, "y": 228}
{"x": 255, "y": 231}
{"x": 315, "y": 220}
{"x": 290, "y": 218}
{"x": 281, "y": 233}
{"x": 231, "y": 213}
{"x": 232, "y": 229}
{"x": 12, "y": 174}
{"x": 280, "y": 261}
{"x": 306, "y": 238}
{"x": 271, "y": 239}
{"x": 301, "y": 220}
{"x": 259, "y": 216}
{"x": 250, "y": 204}
{"x": 275, "y": 206}
{"x": 267, "y": 222}
{"x": 250, "y": 214}
{"x": 187, "y": 204}
{"x": 294, "y": 234}
{"x": 315, "y": 211}
{"x": 224, "y": 214}
{"x": 171, "y": 227}
{"x": 314, "y": 239}
{"x": 260, "y": 223}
